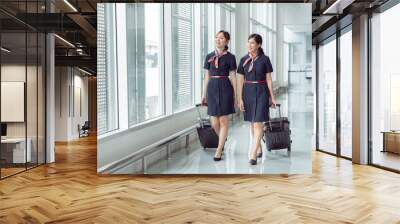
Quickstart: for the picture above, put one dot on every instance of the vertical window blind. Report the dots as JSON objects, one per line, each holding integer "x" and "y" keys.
{"x": 106, "y": 70}
{"x": 101, "y": 72}
{"x": 182, "y": 65}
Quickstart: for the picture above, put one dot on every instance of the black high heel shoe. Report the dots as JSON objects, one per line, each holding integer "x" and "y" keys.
{"x": 253, "y": 161}
{"x": 259, "y": 155}
{"x": 219, "y": 158}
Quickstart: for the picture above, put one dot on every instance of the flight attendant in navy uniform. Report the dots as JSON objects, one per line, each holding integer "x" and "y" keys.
{"x": 219, "y": 89}
{"x": 255, "y": 92}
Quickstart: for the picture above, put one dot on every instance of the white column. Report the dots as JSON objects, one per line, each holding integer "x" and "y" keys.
{"x": 360, "y": 90}
{"x": 50, "y": 99}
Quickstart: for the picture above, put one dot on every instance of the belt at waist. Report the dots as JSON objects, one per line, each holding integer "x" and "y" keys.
{"x": 256, "y": 82}
{"x": 219, "y": 76}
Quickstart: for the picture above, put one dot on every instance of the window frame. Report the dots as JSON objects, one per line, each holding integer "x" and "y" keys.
{"x": 166, "y": 68}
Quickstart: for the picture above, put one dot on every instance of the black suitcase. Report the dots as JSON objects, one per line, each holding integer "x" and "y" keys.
{"x": 277, "y": 133}
{"x": 207, "y": 136}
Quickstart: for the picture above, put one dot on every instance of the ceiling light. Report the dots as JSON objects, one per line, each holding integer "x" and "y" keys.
{"x": 70, "y": 5}
{"x": 5, "y": 50}
{"x": 338, "y": 6}
{"x": 65, "y": 41}
{"x": 86, "y": 72}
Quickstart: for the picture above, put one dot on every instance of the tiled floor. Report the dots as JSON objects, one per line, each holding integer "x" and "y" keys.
{"x": 235, "y": 161}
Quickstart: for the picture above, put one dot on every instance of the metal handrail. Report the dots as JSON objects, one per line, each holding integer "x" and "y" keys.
{"x": 143, "y": 152}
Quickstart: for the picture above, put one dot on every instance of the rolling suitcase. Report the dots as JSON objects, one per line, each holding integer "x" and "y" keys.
{"x": 207, "y": 136}
{"x": 277, "y": 133}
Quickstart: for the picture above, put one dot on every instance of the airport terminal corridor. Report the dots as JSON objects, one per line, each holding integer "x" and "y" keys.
{"x": 196, "y": 160}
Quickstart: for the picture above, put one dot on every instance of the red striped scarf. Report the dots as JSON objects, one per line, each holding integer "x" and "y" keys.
{"x": 216, "y": 57}
{"x": 250, "y": 58}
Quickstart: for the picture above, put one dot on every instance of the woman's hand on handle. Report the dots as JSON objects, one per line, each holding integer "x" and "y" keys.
{"x": 203, "y": 101}
{"x": 273, "y": 102}
{"x": 270, "y": 88}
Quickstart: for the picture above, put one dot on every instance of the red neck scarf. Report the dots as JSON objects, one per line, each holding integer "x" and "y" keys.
{"x": 216, "y": 57}
{"x": 252, "y": 60}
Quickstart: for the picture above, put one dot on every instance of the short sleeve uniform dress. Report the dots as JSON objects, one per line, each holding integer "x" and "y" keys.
{"x": 255, "y": 94}
{"x": 220, "y": 94}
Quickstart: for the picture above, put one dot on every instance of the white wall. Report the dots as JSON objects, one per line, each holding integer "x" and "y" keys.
{"x": 12, "y": 73}
{"x": 292, "y": 21}
{"x": 67, "y": 116}
{"x": 33, "y": 125}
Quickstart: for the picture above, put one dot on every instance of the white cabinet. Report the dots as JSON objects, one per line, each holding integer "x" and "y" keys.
{"x": 17, "y": 147}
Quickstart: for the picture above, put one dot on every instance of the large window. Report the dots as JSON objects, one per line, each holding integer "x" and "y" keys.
{"x": 206, "y": 36}
{"x": 107, "y": 97}
{"x": 327, "y": 96}
{"x": 144, "y": 61}
{"x": 182, "y": 56}
{"x": 263, "y": 22}
{"x": 385, "y": 89}
{"x": 346, "y": 94}
{"x": 151, "y": 56}
{"x": 225, "y": 20}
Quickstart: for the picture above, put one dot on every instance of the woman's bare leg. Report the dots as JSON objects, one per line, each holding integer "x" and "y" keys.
{"x": 215, "y": 124}
{"x": 259, "y": 150}
{"x": 223, "y": 133}
{"x": 258, "y": 132}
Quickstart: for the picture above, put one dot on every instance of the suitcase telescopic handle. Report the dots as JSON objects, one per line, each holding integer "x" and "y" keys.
{"x": 280, "y": 116}
{"x": 279, "y": 108}
{"x": 198, "y": 112}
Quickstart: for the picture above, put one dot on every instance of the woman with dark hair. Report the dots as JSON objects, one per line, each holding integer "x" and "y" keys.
{"x": 219, "y": 88}
{"x": 255, "y": 90}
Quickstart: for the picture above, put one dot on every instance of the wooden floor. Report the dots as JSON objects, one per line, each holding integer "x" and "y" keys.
{"x": 70, "y": 191}
{"x": 10, "y": 171}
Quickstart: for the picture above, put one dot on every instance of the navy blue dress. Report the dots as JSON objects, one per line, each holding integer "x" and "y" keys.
{"x": 255, "y": 95}
{"x": 220, "y": 94}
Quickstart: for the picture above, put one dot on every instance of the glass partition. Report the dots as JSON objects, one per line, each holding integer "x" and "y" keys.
{"x": 327, "y": 96}
{"x": 22, "y": 77}
{"x": 15, "y": 149}
{"x": 385, "y": 89}
{"x": 346, "y": 94}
